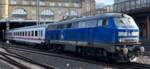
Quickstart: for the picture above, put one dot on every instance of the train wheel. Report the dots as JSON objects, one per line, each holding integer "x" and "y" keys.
{"x": 47, "y": 46}
{"x": 105, "y": 55}
{"x": 60, "y": 48}
{"x": 99, "y": 54}
{"x": 83, "y": 52}
{"x": 79, "y": 50}
{"x": 86, "y": 54}
{"x": 110, "y": 57}
{"x": 57, "y": 48}
{"x": 89, "y": 53}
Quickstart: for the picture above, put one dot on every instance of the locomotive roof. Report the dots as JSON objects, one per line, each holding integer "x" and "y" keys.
{"x": 106, "y": 15}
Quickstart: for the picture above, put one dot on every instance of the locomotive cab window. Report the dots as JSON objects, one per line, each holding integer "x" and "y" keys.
{"x": 104, "y": 22}
{"x": 120, "y": 22}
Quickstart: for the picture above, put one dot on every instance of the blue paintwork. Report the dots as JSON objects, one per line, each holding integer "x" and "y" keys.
{"x": 96, "y": 34}
{"x": 53, "y": 34}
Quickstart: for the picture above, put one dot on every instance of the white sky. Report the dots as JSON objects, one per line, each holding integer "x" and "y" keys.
{"x": 106, "y": 2}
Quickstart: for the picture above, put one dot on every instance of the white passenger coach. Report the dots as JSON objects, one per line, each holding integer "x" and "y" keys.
{"x": 31, "y": 34}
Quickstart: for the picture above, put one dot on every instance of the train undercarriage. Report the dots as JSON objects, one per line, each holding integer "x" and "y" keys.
{"x": 121, "y": 54}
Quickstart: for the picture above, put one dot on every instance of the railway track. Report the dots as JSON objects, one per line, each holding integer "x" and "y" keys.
{"x": 131, "y": 65}
{"x": 47, "y": 53}
{"x": 135, "y": 66}
{"x": 12, "y": 62}
{"x": 65, "y": 56}
{"x": 142, "y": 66}
{"x": 109, "y": 64}
{"x": 21, "y": 62}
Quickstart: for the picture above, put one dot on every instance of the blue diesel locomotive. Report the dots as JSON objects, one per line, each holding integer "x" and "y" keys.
{"x": 114, "y": 36}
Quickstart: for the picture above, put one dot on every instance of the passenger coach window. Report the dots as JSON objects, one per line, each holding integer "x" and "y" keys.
{"x": 36, "y": 33}
{"x": 17, "y": 33}
{"x": 32, "y": 33}
{"x": 25, "y": 33}
{"x": 22, "y": 33}
{"x": 41, "y": 33}
{"x": 14, "y": 34}
{"x": 28, "y": 33}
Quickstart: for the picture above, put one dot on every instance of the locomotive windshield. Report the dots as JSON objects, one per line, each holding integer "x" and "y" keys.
{"x": 124, "y": 22}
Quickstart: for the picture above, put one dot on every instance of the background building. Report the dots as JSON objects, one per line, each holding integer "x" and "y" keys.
{"x": 104, "y": 9}
{"x": 128, "y": 5}
{"x": 48, "y": 9}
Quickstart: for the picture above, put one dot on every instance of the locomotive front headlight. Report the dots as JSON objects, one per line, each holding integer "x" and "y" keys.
{"x": 137, "y": 39}
{"x": 118, "y": 48}
{"x": 142, "y": 49}
{"x": 121, "y": 40}
{"x": 135, "y": 33}
{"x": 125, "y": 51}
{"x": 122, "y": 33}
